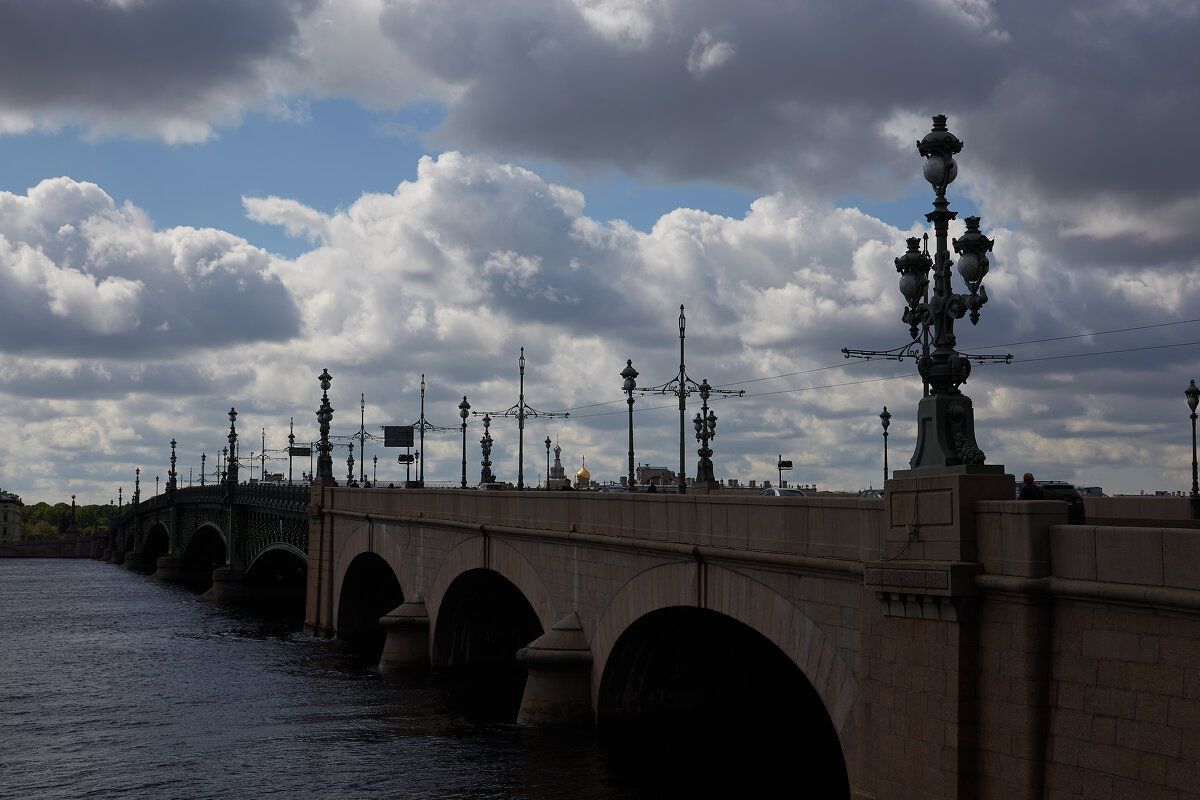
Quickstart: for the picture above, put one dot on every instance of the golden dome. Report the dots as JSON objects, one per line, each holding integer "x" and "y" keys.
{"x": 583, "y": 474}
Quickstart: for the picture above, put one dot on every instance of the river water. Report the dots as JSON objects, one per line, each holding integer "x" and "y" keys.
{"x": 114, "y": 686}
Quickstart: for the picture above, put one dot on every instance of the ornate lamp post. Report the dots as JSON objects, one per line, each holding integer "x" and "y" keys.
{"x": 137, "y": 486}
{"x": 120, "y": 500}
{"x": 156, "y": 486}
{"x": 1193, "y": 398}
{"x": 945, "y": 417}
{"x": 464, "y": 411}
{"x": 203, "y": 457}
{"x": 485, "y": 444}
{"x": 630, "y": 376}
{"x": 885, "y": 419}
{"x": 547, "y": 443}
{"x": 350, "y": 465}
{"x": 522, "y": 411}
{"x": 374, "y": 470}
{"x": 362, "y": 437}
{"x": 706, "y": 429}
{"x": 171, "y": 472}
{"x": 324, "y": 417}
{"x": 231, "y": 460}
{"x": 291, "y": 445}
{"x": 681, "y": 386}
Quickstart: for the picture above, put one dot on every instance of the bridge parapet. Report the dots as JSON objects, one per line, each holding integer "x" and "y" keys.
{"x": 835, "y": 528}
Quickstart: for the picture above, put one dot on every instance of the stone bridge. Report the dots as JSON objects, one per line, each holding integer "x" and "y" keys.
{"x": 947, "y": 642}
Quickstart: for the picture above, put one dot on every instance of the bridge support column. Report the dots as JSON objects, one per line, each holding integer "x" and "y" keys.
{"x": 227, "y": 585}
{"x": 133, "y": 560}
{"x": 558, "y": 690}
{"x": 168, "y": 569}
{"x": 920, "y": 640}
{"x": 407, "y": 643}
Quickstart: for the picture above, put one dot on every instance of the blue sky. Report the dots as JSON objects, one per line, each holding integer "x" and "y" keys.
{"x": 202, "y": 205}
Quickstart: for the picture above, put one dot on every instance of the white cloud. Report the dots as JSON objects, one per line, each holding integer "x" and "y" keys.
{"x": 707, "y": 54}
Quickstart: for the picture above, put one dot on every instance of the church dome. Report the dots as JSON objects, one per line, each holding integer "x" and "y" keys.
{"x": 583, "y": 474}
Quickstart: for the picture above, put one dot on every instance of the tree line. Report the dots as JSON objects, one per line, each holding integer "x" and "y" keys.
{"x": 45, "y": 521}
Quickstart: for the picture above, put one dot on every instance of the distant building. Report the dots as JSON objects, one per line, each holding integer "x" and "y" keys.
{"x": 558, "y": 475}
{"x": 583, "y": 478}
{"x": 661, "y": 476}
{"x": 10, "y": 517}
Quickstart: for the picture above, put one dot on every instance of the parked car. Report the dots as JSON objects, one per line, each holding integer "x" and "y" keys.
{"x": 876, "y": 494}
{"x": 1061, "y": 490}
{"x": 775, "y": 491}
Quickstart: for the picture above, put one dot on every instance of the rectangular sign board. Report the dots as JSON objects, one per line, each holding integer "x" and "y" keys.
{"x": 299, "y": 451}
{"x": 397, "y": 435}
{"x": 405, "y": 458}
{"x": 785, "y": 465}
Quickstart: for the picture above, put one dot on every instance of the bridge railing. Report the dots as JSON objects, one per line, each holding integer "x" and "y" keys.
{"x": 840, "y": 528}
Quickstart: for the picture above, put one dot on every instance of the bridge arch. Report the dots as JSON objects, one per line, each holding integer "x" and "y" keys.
{"x": 368, "y": 590}
{"x": 206, "y": 551}
{"x": 483, "y": 552}
{"x": 278, "y": 578}
{"x": 759, "y": 608}
{"x": 156, "y": 543}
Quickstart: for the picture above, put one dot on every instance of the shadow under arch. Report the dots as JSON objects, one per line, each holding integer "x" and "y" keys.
{"x": 277, "y": 580}
{"x": 744, "y": 614}
{"x": 157, "y": 543}
{"x": 483, "y": 620}
{"x": 369, "y": 590}
{"x": 205, "y": 552}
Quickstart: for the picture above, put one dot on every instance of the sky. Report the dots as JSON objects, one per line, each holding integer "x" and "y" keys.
{"x": 204, "y": 203}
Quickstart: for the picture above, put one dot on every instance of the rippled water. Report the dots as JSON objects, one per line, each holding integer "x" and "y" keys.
{"x": 113, "y": 686}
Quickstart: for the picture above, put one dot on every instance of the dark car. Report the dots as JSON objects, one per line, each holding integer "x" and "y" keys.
{"x": 1061, "y": 490}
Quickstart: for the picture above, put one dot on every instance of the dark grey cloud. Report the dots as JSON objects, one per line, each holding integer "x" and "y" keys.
{"x": 162, "y": 65}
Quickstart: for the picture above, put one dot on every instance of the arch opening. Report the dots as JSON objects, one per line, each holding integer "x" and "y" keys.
{"x": 369, "y": 591}
{"x": 205, "y": 552}
{"x": 276, "y": 583}
{"x": 482, "y": 622}
{"x": 157, "y": 544}
{"x": 704, "y": 688}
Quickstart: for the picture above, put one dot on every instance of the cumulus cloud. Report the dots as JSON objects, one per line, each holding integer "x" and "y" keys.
{"x": 83, "y": 276}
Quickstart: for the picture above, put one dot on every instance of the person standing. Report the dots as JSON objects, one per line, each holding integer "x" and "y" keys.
{"x": 1030, "y": 490}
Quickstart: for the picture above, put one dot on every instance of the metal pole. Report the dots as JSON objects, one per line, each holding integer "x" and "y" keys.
{"x": 630, "y": 375}
{"x": 464, "y": 410}
{"x": 682, "y": 406}
{"x": 362, "y": 438}
{"x": 521, "y": 426}
{"x": 779, "y": 464}
{"x": 421, "y": 465}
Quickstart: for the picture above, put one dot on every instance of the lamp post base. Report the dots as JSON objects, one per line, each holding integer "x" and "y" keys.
{"x": 946, "y": 439}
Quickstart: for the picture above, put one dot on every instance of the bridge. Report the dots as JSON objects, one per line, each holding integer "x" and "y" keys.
{"x": 235, "y": 538}
{"x": 947, "y": 642}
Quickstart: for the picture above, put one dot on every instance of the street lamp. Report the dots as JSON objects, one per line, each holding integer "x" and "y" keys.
{"x": 374, "y": 469}
{"x": 630, "y": 375}
{"x": 203, "y": 458}
{"x": 231, "y": 460}
{"x": 706, "y": 429}
{"x": 945, "y": 417}
{"x": 547, "y": 443}
{"x": 362, "y": 437}
{"x": 464, "y": 411}
{"x": 886, "y": 419}
{"x": 485, "y": 445}
{"x": 1193, "y": 397}
{"x": 350, "y": 465}
{"x": 522, "y": 411}
{"x": 171, "y": 472}
{"x": 681, "y": 386}
{"x": 324, "y": 417}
